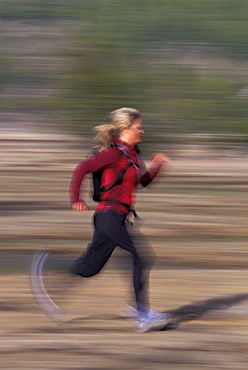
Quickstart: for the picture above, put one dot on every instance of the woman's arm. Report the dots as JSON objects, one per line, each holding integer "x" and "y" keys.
{"x": 95, "y": 163}
{"x": 157, "y": 161}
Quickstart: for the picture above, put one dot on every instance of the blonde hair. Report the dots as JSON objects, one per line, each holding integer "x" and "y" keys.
{"x": 119, "y": 118}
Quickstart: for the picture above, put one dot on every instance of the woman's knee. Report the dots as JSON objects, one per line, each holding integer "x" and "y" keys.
{"x": 146, "y": 261}
{"x": 82, "y": 269}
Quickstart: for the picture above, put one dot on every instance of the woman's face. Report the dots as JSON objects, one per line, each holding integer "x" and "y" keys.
{"x": 134, "y": 133}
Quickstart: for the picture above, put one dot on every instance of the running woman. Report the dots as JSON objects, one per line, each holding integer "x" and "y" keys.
{"x": 117, "y": 152}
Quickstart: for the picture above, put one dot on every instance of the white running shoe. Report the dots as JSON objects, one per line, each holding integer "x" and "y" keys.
{"x": 150, "y": 320}
{"x": 154, "y": 321}
{"x": 43, "y": 299}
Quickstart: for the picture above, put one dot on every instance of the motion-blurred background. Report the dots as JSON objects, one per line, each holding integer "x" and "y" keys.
{"x": 64, "y": 64}
{"x": 67, "y": 63}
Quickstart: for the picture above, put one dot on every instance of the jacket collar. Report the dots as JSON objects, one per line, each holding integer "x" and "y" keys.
{"x": 133, "y": 150}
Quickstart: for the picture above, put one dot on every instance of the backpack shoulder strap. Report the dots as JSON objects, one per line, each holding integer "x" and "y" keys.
{"x": 122, "y": 171}
{"x": 124, "y": 150}
{"x": 98, "y": 190}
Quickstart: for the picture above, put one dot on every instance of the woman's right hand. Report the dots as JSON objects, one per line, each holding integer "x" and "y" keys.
{"x": 157, "y": 160}
{"x": 80, "y": 206}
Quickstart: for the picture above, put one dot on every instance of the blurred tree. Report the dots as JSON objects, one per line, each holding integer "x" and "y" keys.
{"x": 178, "y": 62}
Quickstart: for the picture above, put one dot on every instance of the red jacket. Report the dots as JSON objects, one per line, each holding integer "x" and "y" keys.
{"x": 111, "y": 160}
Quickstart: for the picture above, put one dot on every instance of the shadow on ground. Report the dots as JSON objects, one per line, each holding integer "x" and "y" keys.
{"x": 185, "y": 313}
{"x": 195, "y": 311}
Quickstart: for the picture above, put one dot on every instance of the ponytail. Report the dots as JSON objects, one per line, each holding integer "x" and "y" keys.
{"x": 123, "y": 117}
{"x": 103, "y": 135}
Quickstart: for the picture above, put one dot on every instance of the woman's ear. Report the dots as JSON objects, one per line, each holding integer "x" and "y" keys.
{"x": 123, "y": 130}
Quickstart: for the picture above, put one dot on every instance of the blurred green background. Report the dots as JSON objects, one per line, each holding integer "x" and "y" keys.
{"x": 183, "y": 64}
{"x": 65, "y": 64}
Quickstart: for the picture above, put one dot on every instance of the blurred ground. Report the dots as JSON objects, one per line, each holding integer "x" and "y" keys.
{"x": 196, "y": 219}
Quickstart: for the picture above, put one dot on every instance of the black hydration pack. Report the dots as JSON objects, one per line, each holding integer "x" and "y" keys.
{"x": 99, "y": 190}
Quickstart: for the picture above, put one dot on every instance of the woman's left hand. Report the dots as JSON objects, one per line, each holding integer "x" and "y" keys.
{"x": 79, "y": 206}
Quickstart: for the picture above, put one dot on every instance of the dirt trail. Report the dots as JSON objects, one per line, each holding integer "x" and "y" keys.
{"x": 196, "y": 219}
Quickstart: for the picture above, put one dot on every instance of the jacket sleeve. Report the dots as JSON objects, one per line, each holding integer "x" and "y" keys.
{"x": 148, "y": 177}
{"x": 97, "y": 162}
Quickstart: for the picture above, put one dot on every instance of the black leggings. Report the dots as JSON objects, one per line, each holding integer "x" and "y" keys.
{"x": 110, "y": 232}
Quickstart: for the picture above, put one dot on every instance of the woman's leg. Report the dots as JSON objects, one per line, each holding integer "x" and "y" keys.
{"x": 97, "y": 254}
{"x": 110, "y": 231}
{"x": 148, "y": 256}
{"x": 112, "y": 226}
